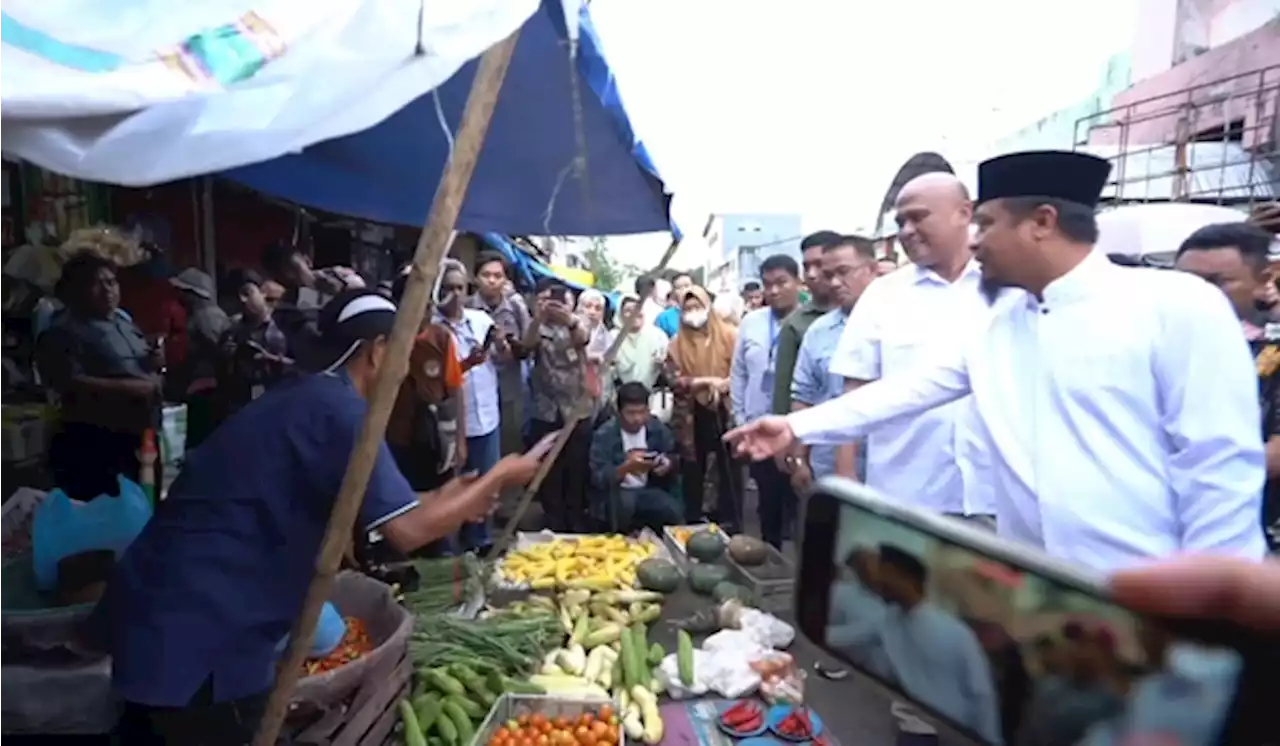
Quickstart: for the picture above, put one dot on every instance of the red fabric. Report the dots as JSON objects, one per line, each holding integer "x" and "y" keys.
{"x": 153, "y": 304}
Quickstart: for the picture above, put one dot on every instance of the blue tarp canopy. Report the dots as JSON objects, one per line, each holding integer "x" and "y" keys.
{"x": 525, "y": 182}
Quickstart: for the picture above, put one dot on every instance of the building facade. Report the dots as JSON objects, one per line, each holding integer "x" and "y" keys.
{"x": 1188, "y": 112}
{"x": 737, "y": 243}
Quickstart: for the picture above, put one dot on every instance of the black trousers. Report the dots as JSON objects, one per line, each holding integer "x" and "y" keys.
{"x": 202, "y": 722}
{"x": 708, "y": 429}
{"x": 563, "y": 494}
{"x": 775, "y": 501}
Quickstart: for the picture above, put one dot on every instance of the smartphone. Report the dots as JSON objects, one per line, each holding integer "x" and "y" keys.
{"x": 490, "y": 337}
{"x": 1000, "y": 644}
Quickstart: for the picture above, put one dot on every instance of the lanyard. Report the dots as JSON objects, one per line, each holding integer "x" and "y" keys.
{"x": 773, "y": 337}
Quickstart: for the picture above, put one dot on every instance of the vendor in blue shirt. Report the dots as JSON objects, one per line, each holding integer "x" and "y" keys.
{"x": 200, "y": 601}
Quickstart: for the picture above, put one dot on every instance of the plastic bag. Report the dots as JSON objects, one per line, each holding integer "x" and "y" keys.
{"x": 64, "y": 527}
{"x": 330, "y": 627}
{"x": 781, "y": 680}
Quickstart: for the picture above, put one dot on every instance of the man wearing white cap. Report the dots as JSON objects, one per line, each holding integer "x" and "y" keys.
{"x": 1119, "y": 403}
{"x": 201, "y": 599}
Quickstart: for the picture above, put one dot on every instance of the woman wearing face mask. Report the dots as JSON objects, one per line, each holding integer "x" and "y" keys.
{"x": 591, "y": 308}
{"x": 700, "y": 356}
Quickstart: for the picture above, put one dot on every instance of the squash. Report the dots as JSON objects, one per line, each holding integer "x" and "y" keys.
{"x": 703, "y": 579}
{"x": 727, "y": 590}
{"x": 658, "y": 575}
{"x": 704, "y": 546}
{"x": 748, "y": 551}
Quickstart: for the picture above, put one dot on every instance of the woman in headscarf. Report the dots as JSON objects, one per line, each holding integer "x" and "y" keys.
{"x": 700, "y": 356}
{"x": 591, "y": 309}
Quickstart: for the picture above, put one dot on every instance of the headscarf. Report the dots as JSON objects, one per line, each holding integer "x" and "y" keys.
{"x": 707, "y": 351}
{"x": 591, "y": 294}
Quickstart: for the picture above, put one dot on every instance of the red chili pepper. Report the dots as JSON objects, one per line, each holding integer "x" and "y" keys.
{"x": 803, "y": 715}
{"x": 792, "y": 725}
{"x": 734, "y": 720}
{"x": 751, "y": 723}
{"x": 738, "y": 708}
{"x": 821, "y": 741}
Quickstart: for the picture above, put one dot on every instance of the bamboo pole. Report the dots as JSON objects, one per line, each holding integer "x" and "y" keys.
{"x": 433, "y": 243}
{"x": 562, "y": 439}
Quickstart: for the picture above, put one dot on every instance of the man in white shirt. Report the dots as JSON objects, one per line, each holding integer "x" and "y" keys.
{"x": 475, "y": 337}
{"x": 932, "y": 655}
{"x": 1119, "y": 403}
{"x": 931, "y": 460}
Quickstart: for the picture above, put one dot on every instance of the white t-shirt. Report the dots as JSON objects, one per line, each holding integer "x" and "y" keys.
{"x": 634, "y": 442}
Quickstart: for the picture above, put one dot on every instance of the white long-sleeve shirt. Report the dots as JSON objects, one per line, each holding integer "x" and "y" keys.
{"x": 937, "y": 660}
{"x": 1121, "y": 411}
{"x": 932, "y": 460}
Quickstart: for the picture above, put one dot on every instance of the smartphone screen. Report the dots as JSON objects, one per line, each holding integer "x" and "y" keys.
{"x": 991, "y": 640}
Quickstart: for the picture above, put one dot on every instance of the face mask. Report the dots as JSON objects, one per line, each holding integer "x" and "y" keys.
{"x": 696, "y": 319}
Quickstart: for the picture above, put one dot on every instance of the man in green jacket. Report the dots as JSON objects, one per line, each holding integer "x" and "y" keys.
{"x": 795, "y": 325}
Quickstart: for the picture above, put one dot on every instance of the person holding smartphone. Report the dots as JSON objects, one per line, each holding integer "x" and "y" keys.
{"x": 479, "y": 346}
{"x": 200, "y": 600}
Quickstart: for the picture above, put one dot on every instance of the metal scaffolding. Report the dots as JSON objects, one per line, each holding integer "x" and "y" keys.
{"x": 1212, "y": 143}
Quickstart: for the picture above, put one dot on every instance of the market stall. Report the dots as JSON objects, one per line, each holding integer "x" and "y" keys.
{"x": 604, "y": 639}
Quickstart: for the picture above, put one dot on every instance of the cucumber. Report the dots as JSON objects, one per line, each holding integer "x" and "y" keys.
{"x": 474, "y": 683}
{"x": 412, "y": 730}
{"x": 427, "y": 708}
{"x": 630, "y": 676}
{"x": 466, "y": 731}
{"x": 684, "y": 657}
{"x": 474, "y": 711}
{"x": 447, "y": 730}
{"x": 440, "y": 680}
{"x": 656, "y": 654}
{"x": 640, "y": 651}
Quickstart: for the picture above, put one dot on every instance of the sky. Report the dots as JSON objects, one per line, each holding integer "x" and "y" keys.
{"x": 811, "y": 106}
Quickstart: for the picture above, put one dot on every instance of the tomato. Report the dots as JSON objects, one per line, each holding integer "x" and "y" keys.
{"x": 614, "y": 733}
{"x": 585, "y": 738}
{"x": 524, "y": 741}
{"x": 538, "y": 720}
{"x": 561, "y": 722}
{"x": 544, "y": 728}
{"x": 542, "y": 740}
{"x": 599, "y": 728}
{"x": 497, "y": 741}
{"x": 586, "y": 719}
{"x": 605, "y": 713}
{"x": 523, "y": 719}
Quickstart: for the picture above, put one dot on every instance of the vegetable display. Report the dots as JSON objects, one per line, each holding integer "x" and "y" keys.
{"x": 587, "y": 562}
{"x": 355, "y": 643}
{"x": 608, "y": 654}
{"x": 682, "y": 534}
{"x": 511, "y": 645}
{"x": 444, "y": 584}
{"x": 600, "y": 728}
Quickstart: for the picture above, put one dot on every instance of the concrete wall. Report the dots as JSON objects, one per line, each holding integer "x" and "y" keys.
{"x": 1230, "y": 78}
{"x": 1058, "y": 130}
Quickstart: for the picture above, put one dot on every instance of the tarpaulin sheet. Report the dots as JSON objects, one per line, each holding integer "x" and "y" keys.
{"x": 140, "y": 92}
{"x": 526, "y": 180}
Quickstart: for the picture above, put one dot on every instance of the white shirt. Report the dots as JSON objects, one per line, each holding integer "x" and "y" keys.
{"x": 1121, "y": 410}
{"x": 634, "y": 442}
{"x": 480, "y": 384}
{"x": 934, "y": 460}
{"x": 938, "y": 661}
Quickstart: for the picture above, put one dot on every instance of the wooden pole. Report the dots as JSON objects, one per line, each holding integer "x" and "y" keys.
{"x": 513, "y": 523}
{"x": 432, "y": 246}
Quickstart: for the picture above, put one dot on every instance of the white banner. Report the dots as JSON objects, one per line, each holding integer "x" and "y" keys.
{"x": 139, "y": 92}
